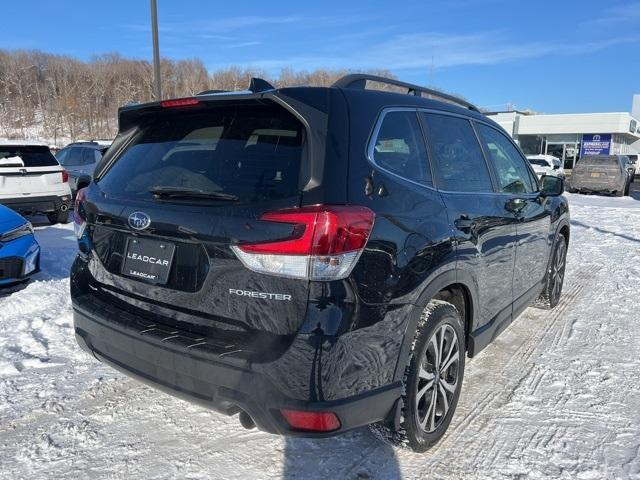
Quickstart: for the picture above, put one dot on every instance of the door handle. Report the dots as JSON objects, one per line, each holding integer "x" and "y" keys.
{"x": 463, "y": 222}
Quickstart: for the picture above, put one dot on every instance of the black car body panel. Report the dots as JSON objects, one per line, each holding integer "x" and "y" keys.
{"x": 217, "y": 328}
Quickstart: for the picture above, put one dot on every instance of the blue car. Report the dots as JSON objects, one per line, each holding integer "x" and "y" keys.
{"x": 19, "y": 250}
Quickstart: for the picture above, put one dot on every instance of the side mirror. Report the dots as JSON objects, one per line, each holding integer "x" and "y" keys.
{"x": 551, "y": 186}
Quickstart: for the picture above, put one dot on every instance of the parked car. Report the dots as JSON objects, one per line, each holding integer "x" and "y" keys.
{"x": 19, "y": 250}
{"x": 288, "y": 254}
{"x": 80, "y": 159}
{"x": 546, "y": 165}
{"x": 601, "y": 174}
{"x": 32, "y": 181}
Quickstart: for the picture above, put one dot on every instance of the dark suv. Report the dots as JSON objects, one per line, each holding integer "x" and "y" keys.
{"x": 314, "y": 259}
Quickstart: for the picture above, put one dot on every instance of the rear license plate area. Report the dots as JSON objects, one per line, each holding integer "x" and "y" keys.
{"x": 148, "y": 260}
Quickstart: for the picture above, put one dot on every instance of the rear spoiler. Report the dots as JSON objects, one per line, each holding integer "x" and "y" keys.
{"x": 310, "y": 110}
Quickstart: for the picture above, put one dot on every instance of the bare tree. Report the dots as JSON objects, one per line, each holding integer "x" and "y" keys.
{"x": 62, "y": 98}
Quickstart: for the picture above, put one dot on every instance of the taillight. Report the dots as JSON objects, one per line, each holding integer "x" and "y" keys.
{"x": 79, "y": 218}
{"x": 311, "y": 421}
{"x": 179, "y": 102}
{"x": 65, "y": 176}
{"x": 325, "y": 243}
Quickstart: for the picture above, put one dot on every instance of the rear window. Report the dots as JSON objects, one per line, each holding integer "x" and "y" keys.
{"x": 540, "y": 162}
{"x": 253, "y": 152}
{"x": 30, "y": 156}
{"x": 598, "y": 161}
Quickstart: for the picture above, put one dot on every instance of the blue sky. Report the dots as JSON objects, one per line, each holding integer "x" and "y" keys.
{"x": 552, "y": 56}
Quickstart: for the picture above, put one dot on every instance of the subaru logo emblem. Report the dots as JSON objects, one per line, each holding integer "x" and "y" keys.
{"x": 139, "y": 220}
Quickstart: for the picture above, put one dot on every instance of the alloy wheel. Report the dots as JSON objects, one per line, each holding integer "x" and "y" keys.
{"x": 557, "y": 270}
{"x": 437, "y": 378}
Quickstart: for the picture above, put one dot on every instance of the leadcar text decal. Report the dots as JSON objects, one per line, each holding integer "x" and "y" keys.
{"x": 263, "y": 295}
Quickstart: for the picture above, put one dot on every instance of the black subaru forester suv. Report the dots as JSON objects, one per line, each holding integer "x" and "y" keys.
{"x": 313, "y": 259}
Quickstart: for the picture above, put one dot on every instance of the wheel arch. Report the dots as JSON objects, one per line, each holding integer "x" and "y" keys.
{"x": 454, "y": 286}
{"x": 83, "y": 181}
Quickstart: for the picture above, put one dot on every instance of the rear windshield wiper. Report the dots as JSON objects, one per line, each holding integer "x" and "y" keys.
{"x": 180, "y": 192}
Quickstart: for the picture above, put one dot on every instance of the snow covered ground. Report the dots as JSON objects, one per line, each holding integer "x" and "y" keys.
{"x": 557, "y": 395}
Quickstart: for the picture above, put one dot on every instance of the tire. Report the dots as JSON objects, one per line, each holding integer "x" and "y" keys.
{"x": 58, "y": 217}
{"x": 421, "y": 425}
{"x": 554, "y": 281}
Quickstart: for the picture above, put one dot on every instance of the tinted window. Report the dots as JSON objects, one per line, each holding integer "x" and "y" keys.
{"x": 511, "y": 169}
{"x": 62, "y": 155}
{"x": 599, "y": 160}
{"x": 540, "y": 162}
{"x": 29, "y": 156}
{"x": 399, "y": 147}
{"x": 90, "y": 156}
{"x": 72, "y": 157}
{"x": 253, "y": 152}
{"x": 456, "y": 154}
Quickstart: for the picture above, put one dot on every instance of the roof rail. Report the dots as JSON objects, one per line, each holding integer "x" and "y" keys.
{"x": 359, "y": 81}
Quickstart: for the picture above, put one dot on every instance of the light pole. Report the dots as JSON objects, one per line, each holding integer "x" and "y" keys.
{"x": 156, "y": 50}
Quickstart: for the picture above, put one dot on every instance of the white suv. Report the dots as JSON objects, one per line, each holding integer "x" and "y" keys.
{"x": 32, "y": 181}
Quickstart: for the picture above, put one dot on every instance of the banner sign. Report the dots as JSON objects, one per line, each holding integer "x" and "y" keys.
{"x": 596, "y": 144}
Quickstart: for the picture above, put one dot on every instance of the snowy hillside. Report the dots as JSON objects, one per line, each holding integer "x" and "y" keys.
{"x": 555, "y": 396}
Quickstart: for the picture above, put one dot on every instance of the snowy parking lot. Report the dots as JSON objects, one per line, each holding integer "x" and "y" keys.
{"x": 556, "y": 395}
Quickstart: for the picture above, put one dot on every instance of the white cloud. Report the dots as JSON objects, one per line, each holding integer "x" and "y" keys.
{"x": 619, "y": 14}
{"x": 418, "y": 51}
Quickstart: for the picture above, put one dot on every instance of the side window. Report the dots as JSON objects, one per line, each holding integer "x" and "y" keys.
{"x": 456, "y": 154}
{"x": 399, "y": 147}
{"x": 511, "y": 169}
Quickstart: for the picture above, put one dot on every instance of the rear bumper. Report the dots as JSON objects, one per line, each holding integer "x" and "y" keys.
{"x": 41, "y": 204}
{"x": 179, "y": 364}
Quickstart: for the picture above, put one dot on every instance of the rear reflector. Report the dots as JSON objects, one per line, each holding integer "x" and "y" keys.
{"x": 325, "y": 242}
{"x": 311, "y": 421}
{"x": 179, "y": 102}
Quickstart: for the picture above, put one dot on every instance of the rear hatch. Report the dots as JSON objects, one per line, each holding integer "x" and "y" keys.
{"x": 597, "y": 173}
{"x": 188, "y": 182}
{"x": 27, "y": 170}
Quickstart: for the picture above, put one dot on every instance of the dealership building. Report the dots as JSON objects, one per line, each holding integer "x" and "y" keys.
{"x": 570, "y": 136}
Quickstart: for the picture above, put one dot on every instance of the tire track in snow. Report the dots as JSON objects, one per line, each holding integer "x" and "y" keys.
{"x": 516, "y": 373}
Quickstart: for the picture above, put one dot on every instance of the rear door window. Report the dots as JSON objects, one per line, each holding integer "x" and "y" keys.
{"x": 510, "y": 167}
{"x": 31, "y": 156}
{"x": 456, "y": 154}
{"x": 253, "y": 152}
{"x": 399, "y": 147}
